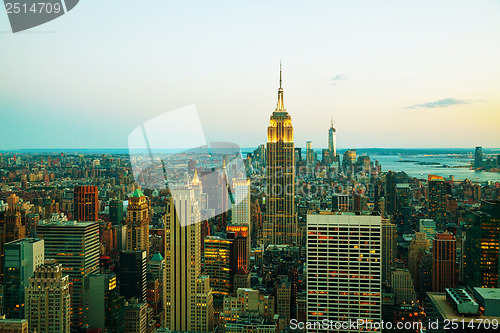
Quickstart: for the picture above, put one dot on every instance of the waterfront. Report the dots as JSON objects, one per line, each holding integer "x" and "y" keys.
{"x": 446, "y": 165}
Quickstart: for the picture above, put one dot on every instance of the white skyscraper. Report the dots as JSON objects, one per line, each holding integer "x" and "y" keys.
{"x": 241, "y": 196}
{"x": 189, "y": 300}
{"x": 48, "y": 299}
{"x": 343, "y": 269}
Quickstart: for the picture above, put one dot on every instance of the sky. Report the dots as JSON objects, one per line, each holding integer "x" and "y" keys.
{"x": 401, "y": 73}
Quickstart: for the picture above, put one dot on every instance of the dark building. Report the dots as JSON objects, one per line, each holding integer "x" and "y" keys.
{"x": 444, "y": 267}
{"x": 132, "y": 275}
{"x": 21, "y": 258}
{"x": 86, "y": 203}
{"x": 481, "y": 245}
{"x": 437, "y": 200}
{"x": 402, "y": 214}
{"x": 116, "y": 211}
{"x": 391, "y": 179}
{"x": 104, "y": 306}
{"x": 478, "y": 157}
{"x": 340, "y": 202}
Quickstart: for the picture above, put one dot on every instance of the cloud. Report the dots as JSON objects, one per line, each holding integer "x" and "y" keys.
{"x": 338, "y": 77}
{"x": 442, "y": 103}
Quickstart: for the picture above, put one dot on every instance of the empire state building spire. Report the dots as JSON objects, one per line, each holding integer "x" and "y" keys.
{"x": 280, "y": 227}
{"x": 281, "y": 104}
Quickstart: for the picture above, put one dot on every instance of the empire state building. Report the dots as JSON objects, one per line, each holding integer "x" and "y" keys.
{"x": 281, "y": 220}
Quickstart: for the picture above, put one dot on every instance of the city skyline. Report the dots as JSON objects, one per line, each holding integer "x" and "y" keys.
{"x": 141, "y": 193}
{"x": 392, "y": 74}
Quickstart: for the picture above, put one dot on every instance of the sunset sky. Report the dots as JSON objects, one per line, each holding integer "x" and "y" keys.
{"x": 391, "y": 73}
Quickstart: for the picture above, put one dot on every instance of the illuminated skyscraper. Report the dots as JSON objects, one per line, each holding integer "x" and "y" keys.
{"x": 437, "y": 200}
{"x": 343, "y": 268}
{"x": 332, "y": 141}
{"x": 218, "y": 264}
{"x": 138, "y": 223}
{"x": 281, "y": 220}
{"x": 241, "y": 193}
{"x": 482, "y": 259}
{"x": 86, "y": 203}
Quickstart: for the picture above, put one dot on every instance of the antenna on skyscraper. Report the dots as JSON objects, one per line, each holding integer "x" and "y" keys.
{"x": 280, "y": 73}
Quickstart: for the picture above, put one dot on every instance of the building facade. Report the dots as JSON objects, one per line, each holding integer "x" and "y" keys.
{"x": 343, "y": 267}
{"x": 138, "y": 219}
{"x": 86, "y": 203}
{"x": 48, "y": 299}
{"x": 281, "y": 220}
{"x": 21, "y": 258}
{"x": 444, "y": 262}
{"x": 74, "y": 245}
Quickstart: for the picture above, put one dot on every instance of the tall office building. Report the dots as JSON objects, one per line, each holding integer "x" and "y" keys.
{"x": 12, "y": 228}
{"x": 478, "y": 157}
{"x": 136, "y": 317}
{"x": 186, "y": 289}
{"x": 283, "y": 298}
{"x": 21, "y": 258}
{"x": 132, "y": 275}
{"x": 157, "y": 267}
{"x": 104, "y": 306}
{"x": 48, "y": 299}
{"x": 218, "y": 264}
{"x": 403, "y": 286}
{"x": 389, "y": 234}
{"x": 309, "y": 153}
{"x": 444, "y": 265}
{"x": 241, "y": 194}
{"x": 86, "y": 203}
{"x": 138, "y": 223}
{"x": 281, "y": 220}
{"x": 437, "y": 201}
{"x": 343, "y": 268}
{"x": 481, "y": 245}
{"x": 332, "y": 142}
{"x": 75, "y": 245}
{"x": 240, "y": 247}
{"x": 402, "y": 214}
{"x": 116, "y": 211}
{"x": 418, "y": 246}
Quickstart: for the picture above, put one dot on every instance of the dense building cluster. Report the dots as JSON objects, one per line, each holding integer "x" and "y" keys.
{"x": 293, "y": 240}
